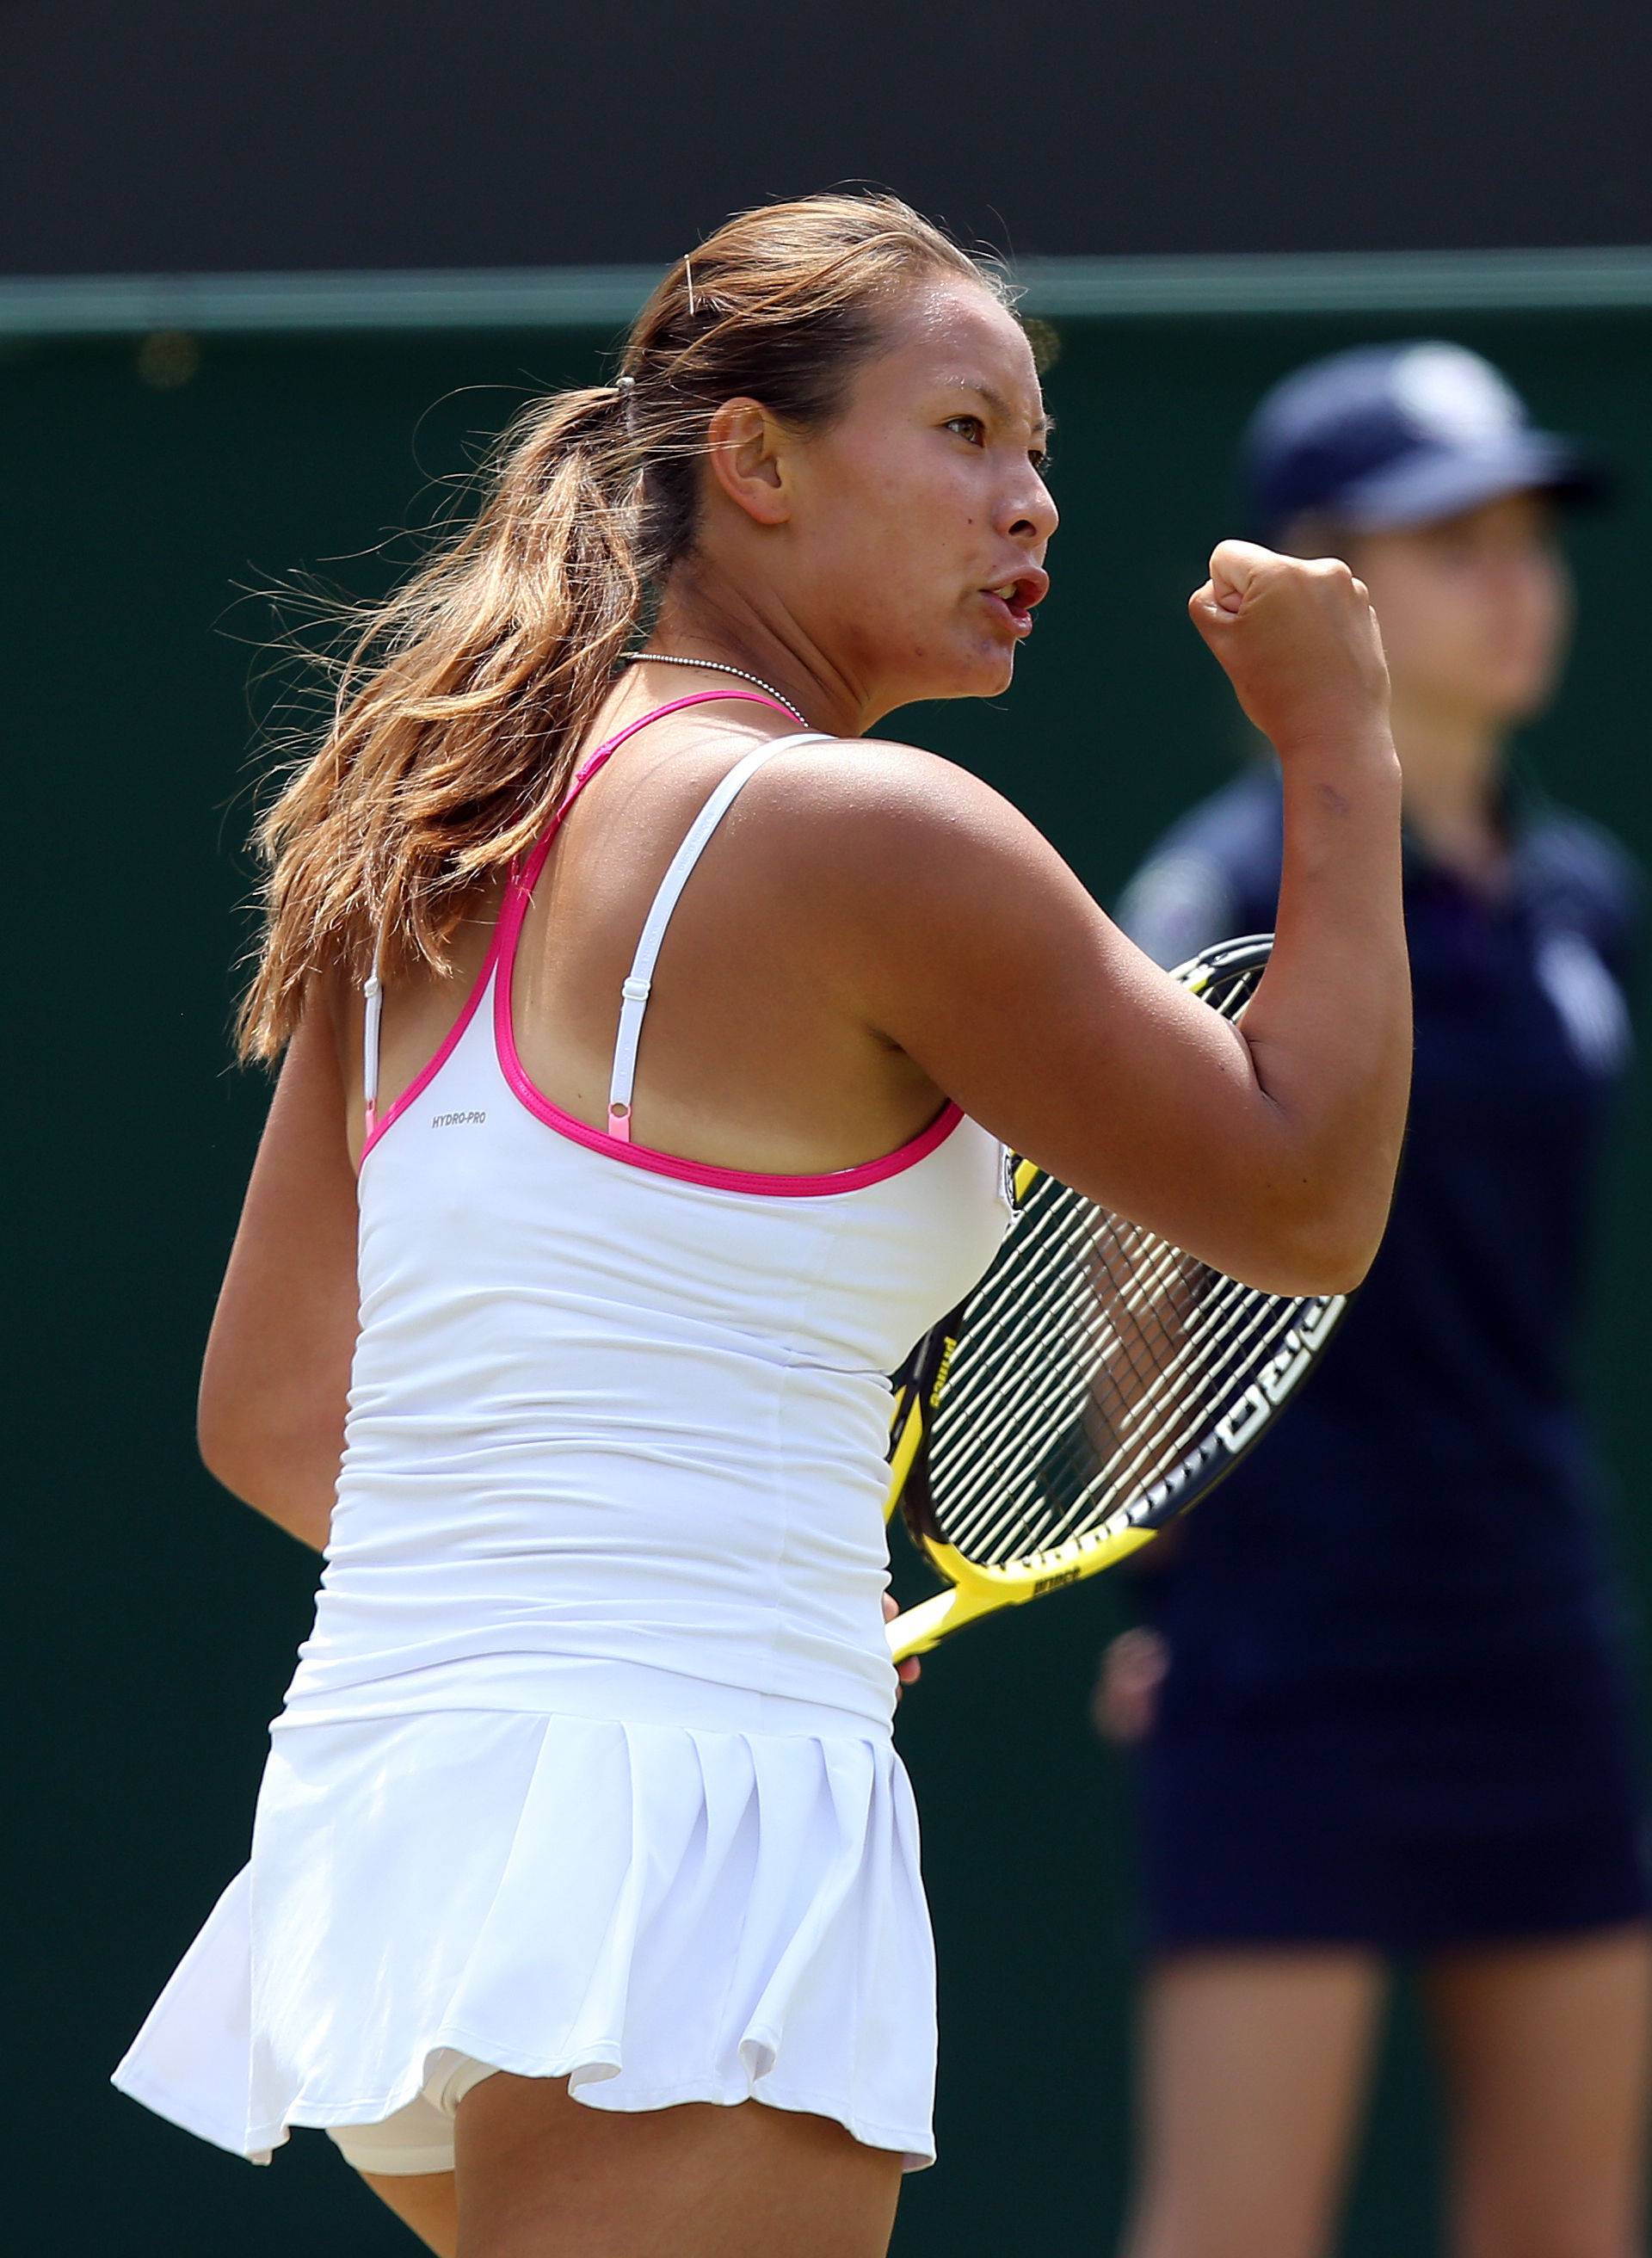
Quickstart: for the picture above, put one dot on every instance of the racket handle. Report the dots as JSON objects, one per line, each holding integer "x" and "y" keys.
{"x": 927, "y": 1623}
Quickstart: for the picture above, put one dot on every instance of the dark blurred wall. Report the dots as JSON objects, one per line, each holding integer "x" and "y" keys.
{"x": 152, "y": 1620}
{"x": 192, "y": 135}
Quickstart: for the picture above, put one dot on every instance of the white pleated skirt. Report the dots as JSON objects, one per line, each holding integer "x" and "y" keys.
{"x": 657, "y": 1911}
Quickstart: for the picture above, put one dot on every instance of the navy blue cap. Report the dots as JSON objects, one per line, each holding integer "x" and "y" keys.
{"x": 1401, "y": 435}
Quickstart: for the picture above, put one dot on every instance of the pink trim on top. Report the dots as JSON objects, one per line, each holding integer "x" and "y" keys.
{"x": 619, "y": 1147}
{"x": 377, "y": 1122}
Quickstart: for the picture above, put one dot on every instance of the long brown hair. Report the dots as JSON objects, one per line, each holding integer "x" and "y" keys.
{"x": 462, "y": 699}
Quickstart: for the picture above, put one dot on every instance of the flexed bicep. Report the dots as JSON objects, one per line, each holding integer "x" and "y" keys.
{"x": 986, "y": 961}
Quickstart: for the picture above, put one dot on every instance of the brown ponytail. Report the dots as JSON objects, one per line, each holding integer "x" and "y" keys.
{"x": 462, "y": 699}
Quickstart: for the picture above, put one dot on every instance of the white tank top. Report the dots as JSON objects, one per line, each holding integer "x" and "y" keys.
{"x": 609, "y": 1406}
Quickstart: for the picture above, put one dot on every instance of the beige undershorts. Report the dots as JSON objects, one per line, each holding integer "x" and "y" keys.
{"x": 419, "y": 2138}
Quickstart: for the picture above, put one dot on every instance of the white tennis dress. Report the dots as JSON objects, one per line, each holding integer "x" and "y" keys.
{"x": 587, "y": 1768}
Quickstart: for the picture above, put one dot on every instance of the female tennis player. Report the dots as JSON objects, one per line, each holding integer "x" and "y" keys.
{"x": 1380, "y": 1698}
{"x": 652, "y": 1040}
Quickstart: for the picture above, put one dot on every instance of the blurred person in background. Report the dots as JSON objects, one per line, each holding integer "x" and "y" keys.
{"x": 1380, "y": 1698}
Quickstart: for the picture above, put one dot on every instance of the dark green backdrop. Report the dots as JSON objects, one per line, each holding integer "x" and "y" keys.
{"x": 146, "y": 481}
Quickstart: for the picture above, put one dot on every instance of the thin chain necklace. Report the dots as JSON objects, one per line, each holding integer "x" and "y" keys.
{"x": 716, "y": 666}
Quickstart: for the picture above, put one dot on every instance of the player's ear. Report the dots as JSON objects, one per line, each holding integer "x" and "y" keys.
{"x": 747, "y": 450}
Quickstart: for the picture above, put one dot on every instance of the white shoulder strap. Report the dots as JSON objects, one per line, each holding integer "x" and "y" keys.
{"x": 373, "y": 989}
{"x": 635, "y": 991}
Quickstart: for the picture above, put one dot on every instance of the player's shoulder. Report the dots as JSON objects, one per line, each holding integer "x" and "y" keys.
{"x": 878, "y": 771}
{"x": 880, "y": 847}
{"x": 864, "y": 794}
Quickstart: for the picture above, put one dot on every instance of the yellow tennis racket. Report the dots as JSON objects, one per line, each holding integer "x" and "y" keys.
{"x": 1096, "y": 1383}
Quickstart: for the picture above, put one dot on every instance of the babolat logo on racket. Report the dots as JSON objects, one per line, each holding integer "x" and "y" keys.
{"x": 942, "y": 1369}
{"x": 1054, "y": 1583}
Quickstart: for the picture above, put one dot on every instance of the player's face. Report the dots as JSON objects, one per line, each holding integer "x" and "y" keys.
{"x": 1474, "y": 610}
{"x": 925, "y": 512}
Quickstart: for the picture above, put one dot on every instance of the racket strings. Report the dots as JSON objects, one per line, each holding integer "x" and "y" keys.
{"x": 1147, "y": 1310}
{"x": 1094, "y": 1342}
{"x": 990, "y": 1473}
{"x": 1001, "y": 1328}
{"x": 1185, "y": 1357}
{"x": 1143, "y": 1274}
{"x": 1106, "y": 1498}
{"x": 1052, "y": 1212}
{"x": 1096, "y": 1359}
{"x": 1113, "y": 1484}
{"x": 1078, "y": 1336}
{"x": 1210, "y": 1368}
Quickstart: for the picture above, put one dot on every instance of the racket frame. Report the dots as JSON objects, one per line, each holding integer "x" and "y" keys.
{"x": 972, "y": 1588}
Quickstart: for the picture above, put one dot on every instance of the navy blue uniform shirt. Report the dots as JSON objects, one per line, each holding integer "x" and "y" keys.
{"x": 1434, "y": 1490}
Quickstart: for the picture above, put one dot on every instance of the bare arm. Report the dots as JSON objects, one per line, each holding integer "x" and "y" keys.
{"x": 276, "y": 1377}
{"x": 1269, "y": 1151}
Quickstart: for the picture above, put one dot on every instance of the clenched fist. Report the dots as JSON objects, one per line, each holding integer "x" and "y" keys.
{"x": 1298, "y": 641}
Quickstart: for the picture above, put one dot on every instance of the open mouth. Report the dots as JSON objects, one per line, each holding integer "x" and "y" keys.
{"x": 1016, "y": 597}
